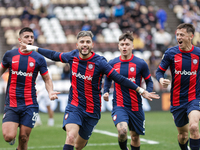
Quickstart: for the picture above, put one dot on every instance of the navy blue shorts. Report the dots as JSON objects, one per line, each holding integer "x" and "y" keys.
{"x": 26, "y": 116}
{"x": 180, "y": 113}
{"x": 134, "y": 119}
{"x": 86, "y": 123}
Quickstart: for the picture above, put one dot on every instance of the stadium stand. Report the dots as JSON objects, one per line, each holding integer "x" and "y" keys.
{"x": 65, "y": 18}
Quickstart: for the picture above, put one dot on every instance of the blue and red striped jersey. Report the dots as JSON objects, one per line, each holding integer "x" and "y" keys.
{"x": 184, "y": 66}
{"x": 86, "y": 79}
{"x": 134, "y": 69}
{"x": 23, "y": 70}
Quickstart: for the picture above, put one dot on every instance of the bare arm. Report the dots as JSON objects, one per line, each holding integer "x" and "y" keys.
{"x": 49, "y": 87}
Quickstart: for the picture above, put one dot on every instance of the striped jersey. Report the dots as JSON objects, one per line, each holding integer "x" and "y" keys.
{"x": 86, "y": 79}
{"x": 184, "y": 66}
{"x": 133, "y": 69}
{"x": 23, "y": 70}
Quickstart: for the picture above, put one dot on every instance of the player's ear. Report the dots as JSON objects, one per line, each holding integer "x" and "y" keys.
{"x": 19, "y": 39}
{"x": 192, "y": 36}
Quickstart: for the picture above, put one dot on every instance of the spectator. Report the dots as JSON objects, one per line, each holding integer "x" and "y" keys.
{"x": 135, "y": 13}
{"x": 148, "y": 37}
{"x": 118, "y": 10}
{"x": 198, "y": 3}
{"x": 162, "y": 39}
{"x": 42, "y": 11}
{"x": 124, "y": 24}
{"x": 96, "y": 27}
{"x": 162, "y": 17}
{"x": 143, "y": 20}
{"x": 151, "y": 16}
{"x": 188, "y": 17}
{"x": 50, "y": 8}
{"x": 127, "y": 7}
{"x": 102, "y": 15}
{"x": 86, "y": 27}
{"x": 36, "y": 32}
{"x": 138, "y": 42}
{"x": 29, "y": 12}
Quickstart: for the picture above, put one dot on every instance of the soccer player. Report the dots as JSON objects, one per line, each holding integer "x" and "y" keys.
{"x": 127, "y": 104}
{"x": 184, "y": 64}
{"x": 87, "y": 69}
{"x": 21, "y": 107}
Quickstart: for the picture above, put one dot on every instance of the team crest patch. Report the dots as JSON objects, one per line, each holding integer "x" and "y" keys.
{"x": 132, "y": 69}
{"x": 195, "y": 61}
{"x": 31, "y": 64}
{"x": 66, "y": 116}
{"x": 90, "y": 66}
{"x": 114, "y": 118}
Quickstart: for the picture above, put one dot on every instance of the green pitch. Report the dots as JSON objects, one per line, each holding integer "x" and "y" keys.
{"x": 161, "y": 134}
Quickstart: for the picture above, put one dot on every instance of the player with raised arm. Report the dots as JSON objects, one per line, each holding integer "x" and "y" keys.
{"x": 21, "y": 107}
{"x": 127, "y": 104}
{"x": 184, "y": 64}
{"x": 87, "y": 69}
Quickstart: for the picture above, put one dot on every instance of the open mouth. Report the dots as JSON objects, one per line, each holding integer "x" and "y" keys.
{"x": 85, "y": 48}
{"x": 29, "y": 43}
{"x": 180, "y": 42}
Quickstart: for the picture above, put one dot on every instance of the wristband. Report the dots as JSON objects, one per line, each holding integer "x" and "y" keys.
{"x": 31, "y": 48}
{"x": 141, "y": 90}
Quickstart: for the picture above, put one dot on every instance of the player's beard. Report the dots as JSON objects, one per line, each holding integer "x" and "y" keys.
{"x": 89, "y": 49}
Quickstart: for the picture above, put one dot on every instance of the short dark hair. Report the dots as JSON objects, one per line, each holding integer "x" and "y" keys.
{"x": 189, "y": 27}
{"x": 25, "y": 29}
{"x": 84, "y": 33}
{"x": 126, "y": 35}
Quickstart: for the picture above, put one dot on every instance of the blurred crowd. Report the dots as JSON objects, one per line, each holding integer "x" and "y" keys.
{"x": 187, "y": 11}
{"x": 148, "y": 24}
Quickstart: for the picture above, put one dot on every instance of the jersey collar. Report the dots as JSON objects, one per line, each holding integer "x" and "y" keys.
{"x": 24, "y": 53}
{"x": 187, "y": 51}
{"x": 120, "y": 58}
{"x": 88, "y": 57}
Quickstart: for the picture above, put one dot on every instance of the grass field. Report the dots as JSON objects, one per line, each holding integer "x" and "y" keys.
{"x": 161, "y": 134}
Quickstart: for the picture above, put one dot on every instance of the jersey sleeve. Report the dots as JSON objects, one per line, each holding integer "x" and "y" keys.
{"x": 43, "y": 66}
{"x": 53, "y": 55}
{"x": 120, "y": 79}
{"x": 4, "y": 62}
{"x": 107, "y": 83}
{"x": 147, "y": 77}
{"x": 165, "y": 63}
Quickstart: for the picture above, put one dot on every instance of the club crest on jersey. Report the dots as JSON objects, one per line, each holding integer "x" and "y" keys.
{"x": 132, "y": 69}
{"x": 31, "y": 64}
{"x": 195, "y": 61}
{"x": 114, "y": 118}
{"x": 66, "y": 116}
{"x": 90, "y": 66}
